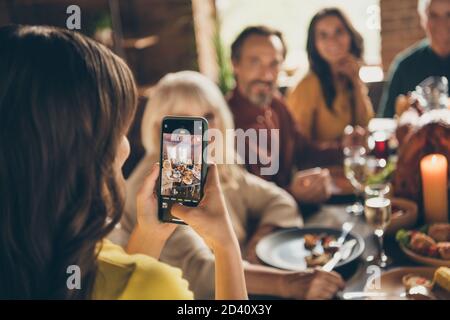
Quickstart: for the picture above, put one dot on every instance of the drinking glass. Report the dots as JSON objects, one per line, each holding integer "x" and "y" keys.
{"x": 377, "y": 190}
{"x": 377, "y": 211}
{"x": 355, "y": 172}
{"x": 378, "y": 142}
{"x": 432, "y": 93}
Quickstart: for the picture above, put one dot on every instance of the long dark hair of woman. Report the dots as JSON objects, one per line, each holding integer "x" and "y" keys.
{"x": 65, "y": 102}
{"x": 317, "y": 64}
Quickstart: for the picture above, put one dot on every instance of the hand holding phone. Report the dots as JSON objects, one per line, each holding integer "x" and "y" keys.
{"x": 210, "y": 219}
{"x": 149, "y": 235}
{"x": 182, "y": 164}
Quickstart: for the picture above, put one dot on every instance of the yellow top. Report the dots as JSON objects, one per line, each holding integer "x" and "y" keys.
{"x": 307, "y": 104}
{"x": 128, "y": 277}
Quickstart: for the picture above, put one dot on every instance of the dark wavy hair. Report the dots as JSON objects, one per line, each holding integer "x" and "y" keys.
{"x": 317, "y": 64}
{"x": 65, "y": 103}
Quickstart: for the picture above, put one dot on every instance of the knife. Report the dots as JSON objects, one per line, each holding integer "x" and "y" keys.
{"x": 362, "y": 294}
{"x": 343, "y": 253}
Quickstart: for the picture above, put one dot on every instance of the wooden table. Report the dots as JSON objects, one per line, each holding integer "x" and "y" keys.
{"x": 334, "y": 215}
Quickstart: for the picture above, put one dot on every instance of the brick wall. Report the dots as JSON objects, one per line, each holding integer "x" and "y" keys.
{"x": 400, "y": 28}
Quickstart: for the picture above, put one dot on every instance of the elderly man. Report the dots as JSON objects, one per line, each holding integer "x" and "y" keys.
{"x": 257, "y": 55}
{"x": 430, "y": 57}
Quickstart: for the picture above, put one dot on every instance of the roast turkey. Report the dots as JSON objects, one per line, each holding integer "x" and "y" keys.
{"x": 419, "y": 136}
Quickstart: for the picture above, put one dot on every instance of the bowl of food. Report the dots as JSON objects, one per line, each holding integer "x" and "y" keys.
{"x": 430, "y": 245}
{"x": 399, "y": 284}
{"x": 412, "y": 280}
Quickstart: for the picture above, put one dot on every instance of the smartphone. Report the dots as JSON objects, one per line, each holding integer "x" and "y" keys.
{"x": 182, "y": 164}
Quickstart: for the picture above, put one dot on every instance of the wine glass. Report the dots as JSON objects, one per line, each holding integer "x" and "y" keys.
{"x": 378, "y": 143}
{"x": 432, "y": 93}
{"x": 355, "y": 172}
{"x": 377, "y": 190}
{"x": 377, "y": 211}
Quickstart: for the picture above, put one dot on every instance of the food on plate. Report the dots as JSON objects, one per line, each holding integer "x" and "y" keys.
{"x": 324, "y": 241}
{"x": 444, "y": 250}
{"x": 423, "y": 244}
{"x": 317, "y": 260}
{"x": 411, "y": 280}
{"x": 310, "y": 240}
{"x": 187, "y": 180}
{"x": 442, "y": 278}
{"x": 440, "y": 232}
{"x": 431, "y": 241}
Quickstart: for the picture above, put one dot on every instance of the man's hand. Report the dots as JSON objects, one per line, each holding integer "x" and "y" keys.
{"x": 312, "y": 186}
{"x": 310, "y": 285}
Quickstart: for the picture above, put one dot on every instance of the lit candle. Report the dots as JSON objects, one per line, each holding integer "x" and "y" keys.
{"x": 434, "y": 185}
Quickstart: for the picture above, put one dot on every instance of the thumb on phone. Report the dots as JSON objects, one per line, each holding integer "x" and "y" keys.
{"x": 149, "y": 184}
{"x": 180, "y": 211}
{"x": 212, "y": 183}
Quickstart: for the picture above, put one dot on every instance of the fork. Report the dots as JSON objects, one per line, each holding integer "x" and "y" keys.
{"x": 346, "y": 228}
{"x": 343, "y": 253}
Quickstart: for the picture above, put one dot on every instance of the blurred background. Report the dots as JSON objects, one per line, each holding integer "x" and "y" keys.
{"x": 156, "y": 37}
{"x": 160, "y": 36}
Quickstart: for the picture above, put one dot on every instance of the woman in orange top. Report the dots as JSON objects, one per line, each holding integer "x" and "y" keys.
{"x": 331, "y": 96}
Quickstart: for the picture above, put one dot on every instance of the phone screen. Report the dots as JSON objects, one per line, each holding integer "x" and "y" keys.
{"x": 182, "y": 167}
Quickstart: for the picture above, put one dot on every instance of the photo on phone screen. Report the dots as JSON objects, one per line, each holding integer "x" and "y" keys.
{"x": 182, "y": 167}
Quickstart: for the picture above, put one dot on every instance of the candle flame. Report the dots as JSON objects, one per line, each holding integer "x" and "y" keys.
{"x": 434, "y": 158}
